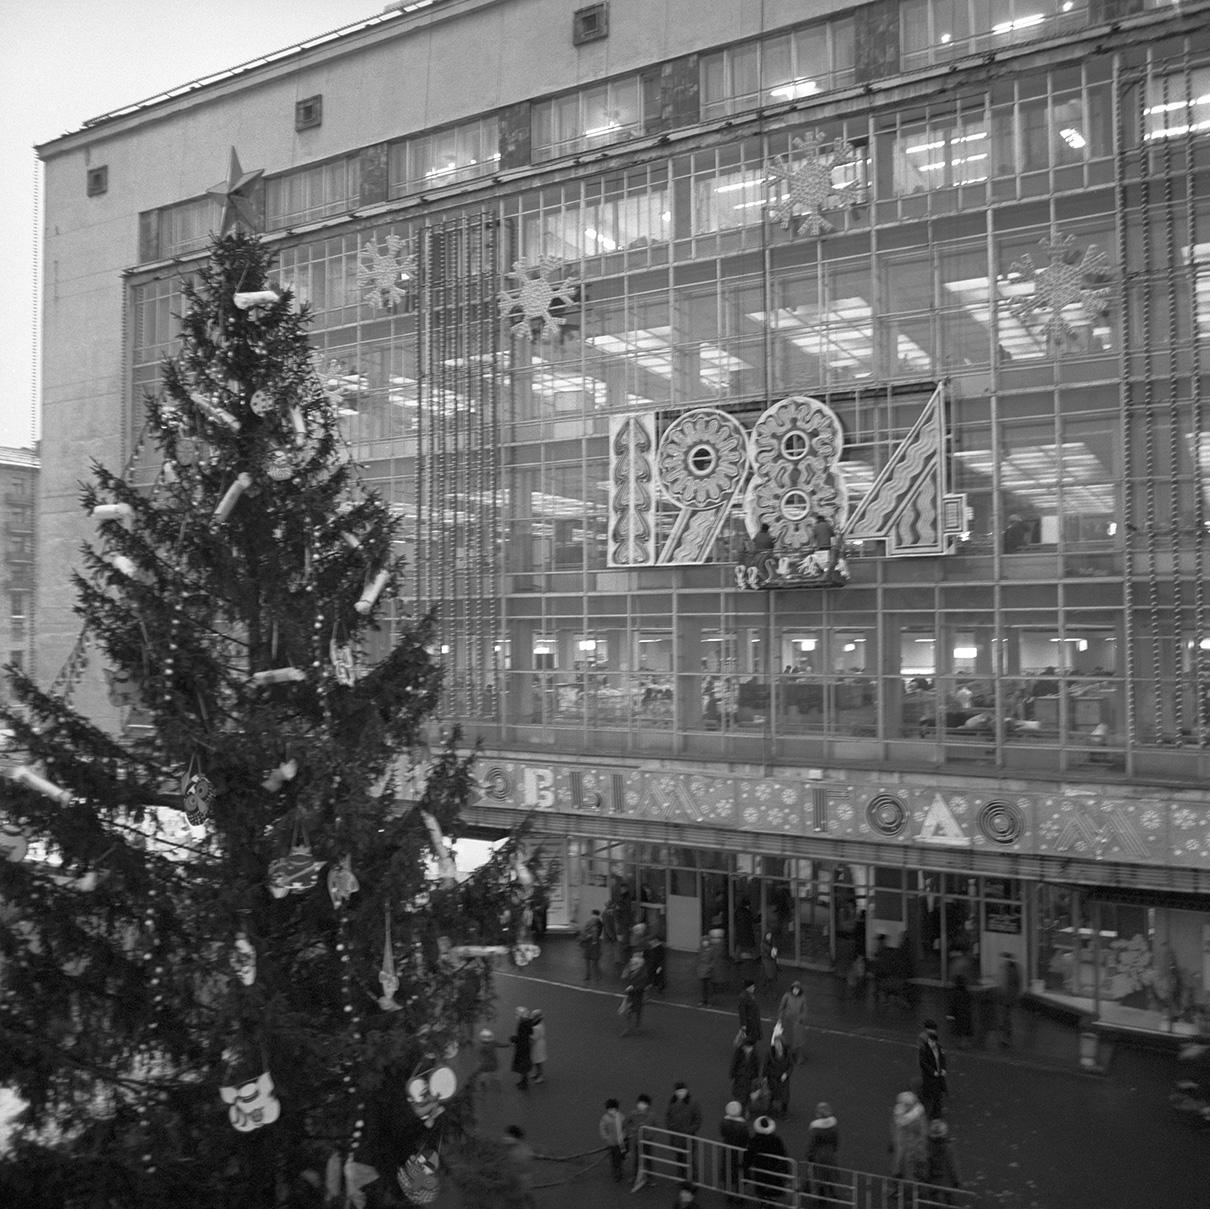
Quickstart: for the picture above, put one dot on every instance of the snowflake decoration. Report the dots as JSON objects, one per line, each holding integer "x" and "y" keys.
{"x": 1069, "y": 281}
{"x": 809, "y": 184}
{"x": 541, "y": 289}
{"x": 1151, "y": 820}
{"x": 383, "y": 276}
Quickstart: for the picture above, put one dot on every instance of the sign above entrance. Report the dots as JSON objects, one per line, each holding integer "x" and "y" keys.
{"x": 675, "y": 486}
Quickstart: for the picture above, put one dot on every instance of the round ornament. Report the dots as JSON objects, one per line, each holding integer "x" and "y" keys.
{"x": 261, "y": 403}
{"x": 418, "y": 1179}
{"x": 296, "y": 872}
{"x": 279, "y": 465}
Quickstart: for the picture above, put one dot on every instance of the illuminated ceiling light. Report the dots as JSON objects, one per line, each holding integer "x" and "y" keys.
{"x": 966, "y": 652}
{"x": 1073, "y": 138}
{"x": 850, "y": 646}
{"x": 588, "y": 644}
{"x": 1009, "y": 27}
{"x": 946, "y": 39}
{"x": 799, "y": 88}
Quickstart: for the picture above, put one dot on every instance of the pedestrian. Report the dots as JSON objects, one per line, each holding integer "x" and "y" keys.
{"x": 823, "y": 1142}
{"x": 683, "y": 1116}
{"x": 933, "y": 1082}
{"x": 520, "y": 1155}
{"x": 537, "y": 1044}
{"x": 487, "y": 1065}
{"x": 878, "y": 969}
{"x": 522, "y": 1041}
{"x": 643, "y": 1115}
{"x": 776, "y": 1072}
{"x": 654, "y": 957}
{"x": 792, "y": 1016}
{"x": 635, "y": 978}
{"x": 942, "y": 1165}
{"x": 961, "y": 1013}
{"x": 745, "y": 1070}
{"x": 539, "y": 903}
{"x": 590, "y": 946}
{"x": 909, "y": 1139}
{"x": 749, "y": 1014}
{"x": 766, "y": 1164}
{"x": 609, "y": 938}
{"x": 612, "y": 1129}
{"x": 1008, "y": 994}
{"x": 768, "y": 958}
{"x": 707, "y": 968}
{"x": 735, "y": 1133}
{"x": 686, "y": 1197}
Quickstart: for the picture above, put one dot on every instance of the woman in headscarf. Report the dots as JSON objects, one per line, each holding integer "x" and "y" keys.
{"x": 792, "y": 1016}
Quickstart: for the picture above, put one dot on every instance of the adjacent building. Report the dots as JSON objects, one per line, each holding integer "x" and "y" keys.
{"x": 18, "y": 498}
{"x": 600, "y": 290}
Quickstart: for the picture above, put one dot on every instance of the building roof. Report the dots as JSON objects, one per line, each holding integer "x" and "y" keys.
{"x": 25, "y": 458}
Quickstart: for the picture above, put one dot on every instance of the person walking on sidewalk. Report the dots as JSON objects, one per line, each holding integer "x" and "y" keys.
{"x": 537, "y": 1054}
{"x": 777, "y": 1069}
{"x": 768, "y": 958}
{"x": 735, "y": 1133}
{"x": 707, "y": 968}
{"x": 933, "y": 1082}
{"x": 590, "y": 946}
{"x": 961, "y": 1008}
{"x": 655, "y": 957}
{"x": 823, "y": 1142}
{"x": 635, "y": 978}
{"x": 642, "y": 1115}
{"x": 612, "y": 1129}
{"x": 487, "y": 1067}
{"x": 1008, "y": 995}
{"x": 745, "y": 1070}
{"x": 522, "y": 1041}
{"x": 609, "y": 938}
{"x": 685, "y": 1117}
{"x": 909, "y": 1140}
{"x": 792, "y": 1016}
{"x": 749, "y": 1014}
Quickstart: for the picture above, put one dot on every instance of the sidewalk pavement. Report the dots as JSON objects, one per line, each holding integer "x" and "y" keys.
{"x": 1038, "y": 1037}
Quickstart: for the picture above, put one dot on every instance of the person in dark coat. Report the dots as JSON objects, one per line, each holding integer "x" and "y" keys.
{"x": 655, "y": 958}
{"x": 942, "y": 1166}
{"x": 735, "y": 1133}
{"x": 933, "y": 1083}
{"x": 766, "y": 1164}
{"x": 961, "y": 1010}
{"x": 707, "y": 968}
{"x": 749, "y": 1012}
{"x": 683, "y": 1116}
{"x": 522, "y": 1041}
{"x": 745, "y": 1070}
{"x": 823, "y": 1141}
{"x": 779, "y": 1064}
{"x": 1008, "y": 995}
{"x": 590, "y": 946}
{"x": 635, "y": 978}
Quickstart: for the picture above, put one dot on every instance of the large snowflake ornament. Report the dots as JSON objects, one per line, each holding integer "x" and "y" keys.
{"x": 1069, "y": 287}
{"x": 808, "y": 184}
{"x": 542, "y": 292}
{"x": 383, "y": 277}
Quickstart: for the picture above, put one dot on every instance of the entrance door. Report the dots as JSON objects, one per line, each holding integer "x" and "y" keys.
{"x": 684, "y": 910}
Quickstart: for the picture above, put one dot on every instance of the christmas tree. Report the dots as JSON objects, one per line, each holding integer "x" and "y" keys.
{"x": 238, "y": 964}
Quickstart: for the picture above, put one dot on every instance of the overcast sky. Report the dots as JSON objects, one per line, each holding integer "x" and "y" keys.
{"x": 65, "y": 61}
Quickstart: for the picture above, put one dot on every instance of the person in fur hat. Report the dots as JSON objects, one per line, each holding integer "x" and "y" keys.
{"x": 909, "y": 1138}
{"x": 779, "y": 1063}
{"x": 942, "y": 1165}
{"x": 766, "y": 1164}
{"x": 823, "y": 1141}
{"x": 735, "y": 1133}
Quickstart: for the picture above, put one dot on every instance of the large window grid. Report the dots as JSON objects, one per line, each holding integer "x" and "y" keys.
{"x": 311, "y": 193}
{"x": 187, "y": 227}
{"x": 802, "y": 63}
{"x": 460, "y": 153}
{"x": 587, "y": 119}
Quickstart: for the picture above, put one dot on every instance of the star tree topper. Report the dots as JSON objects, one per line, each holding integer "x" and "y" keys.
{"x": 236, "y": 195}
{"x": 1071, "y": 280}
{"x": 807, "y": 184}
{"x": 541, "y": 290}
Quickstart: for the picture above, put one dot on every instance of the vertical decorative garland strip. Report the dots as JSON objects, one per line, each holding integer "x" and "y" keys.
{"x": 1121, "y": 93}
{"x": 493, "y": 457}
{"x": 1171, "y": 253}
{"x": 1150, "y": 536}
{"x": 1201, "y": 680}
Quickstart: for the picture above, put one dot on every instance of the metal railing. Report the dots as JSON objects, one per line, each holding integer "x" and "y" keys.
{"x": 783, "y": 1181}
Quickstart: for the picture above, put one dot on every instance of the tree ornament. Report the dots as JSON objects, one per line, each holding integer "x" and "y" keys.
{"x": 261, "y": 403}
{"x": 218, "y": 414}
{"x": 429, "y": 1092}
{"x": 198, "y": 794}
{"x": 280, "y": 775}
{"x": 237, "y": 195}
{"x": 386, "y": 975}
{"x": 254, "y": 300}
{"x": 253, "y": 1104}
{"x": 123, "y": 686}
{"x": 541, "y": 290}
{"x": 226, "y": 505}
{"x": 418, "y": 1179}
{"x": 446, "y": 868}
{"x": 348, "y": 1178}
{"x": 113, "y": 512}
{"x": 298, "y": 871}
{"x": 342, "y": 882}
{"x": 278, "y": 675}
{"x": 14, "y": 843}
{"x": 523, "y": 954}
{"x": 372, "y": 591}
{"x": 279, "y": 465}
{"x": 344, "y": 666}
{"x": 243, "y": 959}
{"x": 24, "y": 775}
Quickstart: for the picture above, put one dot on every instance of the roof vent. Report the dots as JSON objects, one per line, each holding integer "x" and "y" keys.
{"x": 590, "y": 24}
